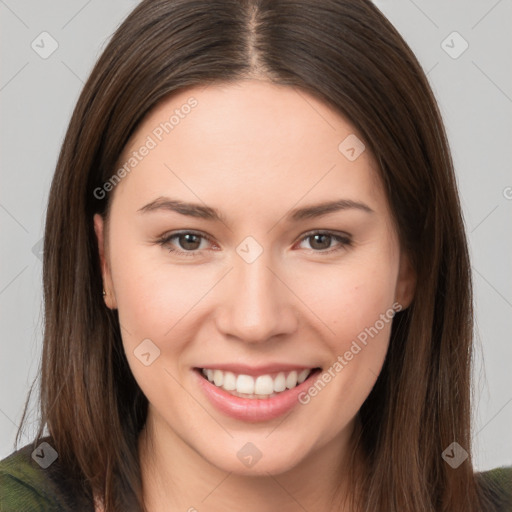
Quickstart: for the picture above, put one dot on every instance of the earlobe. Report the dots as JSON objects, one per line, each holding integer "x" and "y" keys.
{"x": 406, "y": 282}
{"x": 108, "y": 290}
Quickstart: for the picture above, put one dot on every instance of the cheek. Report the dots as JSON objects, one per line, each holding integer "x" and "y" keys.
{"x": 358, "y": 308}
{"x": 351, "y": 296}
{"x": 155, "y": 302}
{"x": 155, "y": 298}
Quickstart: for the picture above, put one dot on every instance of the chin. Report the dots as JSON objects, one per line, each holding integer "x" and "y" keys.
{"x": 255, "y": 458}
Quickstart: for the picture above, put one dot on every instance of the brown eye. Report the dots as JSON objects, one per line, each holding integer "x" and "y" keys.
{"x": 185, "y": 243}
{"x": 322, "y": 242}
{"x": 189, "y": 241}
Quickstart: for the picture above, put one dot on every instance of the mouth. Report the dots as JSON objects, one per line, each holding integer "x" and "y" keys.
{"x": 251, "y": 395}
{"x": 259, "y": 387}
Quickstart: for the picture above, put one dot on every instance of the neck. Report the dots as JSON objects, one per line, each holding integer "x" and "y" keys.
{"x": 176, "y": 477}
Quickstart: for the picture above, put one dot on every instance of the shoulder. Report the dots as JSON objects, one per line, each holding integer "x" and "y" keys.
{"x": 496, "y": 485}
{"x": 31, "y": 480}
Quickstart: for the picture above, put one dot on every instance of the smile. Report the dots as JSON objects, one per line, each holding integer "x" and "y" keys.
{"x": 260, "y": 387}
{"x": 259, "y": 397}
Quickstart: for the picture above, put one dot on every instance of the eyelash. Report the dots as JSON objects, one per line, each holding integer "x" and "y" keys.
{"x": 165, "y": 240}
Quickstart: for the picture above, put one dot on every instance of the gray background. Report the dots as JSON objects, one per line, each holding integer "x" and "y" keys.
{"x": 37, "y": 96}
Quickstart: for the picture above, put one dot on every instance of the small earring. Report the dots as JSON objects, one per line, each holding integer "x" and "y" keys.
{"x": 104, "y": 293}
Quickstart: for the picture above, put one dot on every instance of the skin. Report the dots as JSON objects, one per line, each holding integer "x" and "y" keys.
{"x": 254, "y": 151}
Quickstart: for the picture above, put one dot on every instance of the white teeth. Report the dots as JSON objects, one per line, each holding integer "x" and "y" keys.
{"x": 280, "y": 383}
{"x": 303, "y": 375}
{"x": 291, "y": 380}
{"x": 229, "y": 381}
{"x": 218, "y": 378}
{"x": 245, "y": 384}
{"x": 263, "y": 386}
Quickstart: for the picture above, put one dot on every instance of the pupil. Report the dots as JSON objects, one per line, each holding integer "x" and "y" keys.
{"x": 323, "y": 246}
{"x": 187, "y": 237}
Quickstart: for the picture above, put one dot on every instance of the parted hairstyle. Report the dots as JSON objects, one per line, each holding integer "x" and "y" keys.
{"x": 348, "y": 55}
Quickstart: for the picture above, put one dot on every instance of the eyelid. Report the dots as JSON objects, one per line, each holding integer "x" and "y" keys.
{"x": 166, "y": 238}
{"x": 330, "y": 232}
{"x": 345, "y": 240}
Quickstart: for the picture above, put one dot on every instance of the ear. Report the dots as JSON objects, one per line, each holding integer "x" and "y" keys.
{"x": 99, "y": 229}
{"x": 406, "y": 282}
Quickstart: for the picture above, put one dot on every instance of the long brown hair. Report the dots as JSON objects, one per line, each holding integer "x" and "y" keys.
{"x": 347, "y": 54}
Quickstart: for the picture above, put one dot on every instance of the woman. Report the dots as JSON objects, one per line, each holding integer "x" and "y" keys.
{"x": 256, "y": 277}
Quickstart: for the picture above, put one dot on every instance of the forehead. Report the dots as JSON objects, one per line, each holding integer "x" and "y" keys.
{"x": 247, "y": 141}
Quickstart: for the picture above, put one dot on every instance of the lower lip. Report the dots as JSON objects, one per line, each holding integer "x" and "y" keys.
{"x": 253, "y": 409}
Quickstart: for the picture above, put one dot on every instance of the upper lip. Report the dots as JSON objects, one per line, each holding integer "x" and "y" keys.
{"x": 241, "y": 369}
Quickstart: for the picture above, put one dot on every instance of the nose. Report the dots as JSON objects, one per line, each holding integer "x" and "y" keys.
{"x": 256, "y": 303}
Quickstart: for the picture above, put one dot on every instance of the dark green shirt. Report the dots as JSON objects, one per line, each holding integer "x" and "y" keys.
{"x": 32, "y": 481}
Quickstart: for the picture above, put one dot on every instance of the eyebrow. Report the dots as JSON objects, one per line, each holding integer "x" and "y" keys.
{"x": 208, "y": 213}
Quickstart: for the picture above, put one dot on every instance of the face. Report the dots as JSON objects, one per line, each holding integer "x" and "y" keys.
{"x": 254, "y": 319}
